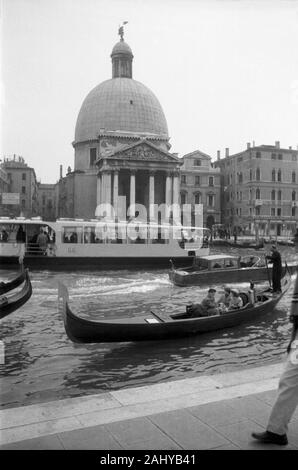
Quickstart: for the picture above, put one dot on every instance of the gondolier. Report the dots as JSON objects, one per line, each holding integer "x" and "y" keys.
{"x": 275, "y": 259}
{"x": 287, "y": 400}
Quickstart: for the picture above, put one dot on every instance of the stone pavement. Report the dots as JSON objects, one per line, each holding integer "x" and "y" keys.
{"x": 208, "y": 412}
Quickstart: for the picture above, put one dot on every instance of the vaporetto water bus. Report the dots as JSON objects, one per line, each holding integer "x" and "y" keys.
{"x": 100, "y": 244}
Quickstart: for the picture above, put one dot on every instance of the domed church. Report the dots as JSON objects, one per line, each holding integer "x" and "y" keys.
{"x": 122, "y": 144}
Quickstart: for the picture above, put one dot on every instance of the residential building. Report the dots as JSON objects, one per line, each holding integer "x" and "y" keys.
{"x": 260, "y": 190}
{"x": 22, "y": 185}
{"x": 200, "y": 184}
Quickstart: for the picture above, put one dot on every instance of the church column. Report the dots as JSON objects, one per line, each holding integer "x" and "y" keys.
{"x": 132, "y": 199}
{"x": 106, "y": 190}
{"x": 115, "y": 191}
{"x": 168, "y": 197}
{"x": 176, "y": 191}
{"x": 151, "y": 195}
{"x": 98, "y": 196}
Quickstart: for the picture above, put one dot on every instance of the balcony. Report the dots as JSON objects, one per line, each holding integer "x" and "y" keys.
{"x": 258, "y": 202}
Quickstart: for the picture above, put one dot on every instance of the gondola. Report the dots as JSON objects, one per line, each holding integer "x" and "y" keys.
{"x": 160, "y": 326}
{"x": 16, "y": 282}
{"x": 10, "y": 303}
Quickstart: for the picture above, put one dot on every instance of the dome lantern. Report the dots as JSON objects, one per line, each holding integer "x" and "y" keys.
{"x": 122, "y": 57}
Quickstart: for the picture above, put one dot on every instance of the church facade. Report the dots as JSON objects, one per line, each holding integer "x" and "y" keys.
{"x": 121, "y": 146}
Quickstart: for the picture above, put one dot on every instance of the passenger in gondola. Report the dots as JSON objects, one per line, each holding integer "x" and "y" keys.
{"x": 207, "y": 307}
{"x": 235, "y": 300}
{"x": 224, "y": 300}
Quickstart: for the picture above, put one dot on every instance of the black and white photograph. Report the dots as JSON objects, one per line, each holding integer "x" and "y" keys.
{"x": 149, "y": 228}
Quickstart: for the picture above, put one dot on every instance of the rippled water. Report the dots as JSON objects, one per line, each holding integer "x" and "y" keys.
{"x": 43, "y": 365}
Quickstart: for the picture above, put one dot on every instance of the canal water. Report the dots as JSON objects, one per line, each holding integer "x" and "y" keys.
{"x": 42, "y": 364}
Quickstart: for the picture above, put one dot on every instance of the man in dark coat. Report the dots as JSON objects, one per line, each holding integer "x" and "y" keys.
{"x": 275, "y": 259}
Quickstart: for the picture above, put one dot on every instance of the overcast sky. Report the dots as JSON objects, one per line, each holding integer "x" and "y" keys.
{"x": 224, "y": 71}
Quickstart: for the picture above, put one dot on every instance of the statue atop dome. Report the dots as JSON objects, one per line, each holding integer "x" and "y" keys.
{"x": 121, "y": 30}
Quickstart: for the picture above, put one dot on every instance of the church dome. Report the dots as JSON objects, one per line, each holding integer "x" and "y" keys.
{"x": 121, "y": 105}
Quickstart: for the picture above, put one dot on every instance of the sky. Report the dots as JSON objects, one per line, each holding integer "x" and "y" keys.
{"x": 224, "y": 71}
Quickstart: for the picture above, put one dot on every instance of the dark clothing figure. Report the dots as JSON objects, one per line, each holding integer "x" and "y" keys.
{"x": 275, "y": 259}
{"x": 21, "y": 235}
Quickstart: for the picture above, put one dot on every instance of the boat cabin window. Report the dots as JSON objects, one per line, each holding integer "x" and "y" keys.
{"x": 231, "y": 263}
{"x": 217, "y": 264}
{"x": 72, "y": 234}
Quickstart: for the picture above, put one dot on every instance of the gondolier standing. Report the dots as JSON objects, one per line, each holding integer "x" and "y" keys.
{"x": 287, "y": 399}
{"x": 275, "y": 259}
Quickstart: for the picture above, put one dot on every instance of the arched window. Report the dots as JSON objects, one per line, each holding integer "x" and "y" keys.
{"x": 258, "y": 193}
{"x": 258, "y": 174}
{"x": 198, "y": 198}
{"x": 279, "y": 175}
{"x": 273, "y": 195}
{"x": 273, "y": 175}
{"x": 293, "y": 177}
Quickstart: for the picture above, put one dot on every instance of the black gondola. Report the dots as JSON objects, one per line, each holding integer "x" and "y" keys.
{"x": 159, "y": 326}
{"x": 10, "y": 285}
{"x": 12, "y": 302}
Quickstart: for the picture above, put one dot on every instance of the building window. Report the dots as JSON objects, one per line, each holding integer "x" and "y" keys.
{"x": 258, "y": 174}
{"x": 92, "y": 156}
{"x": 198, "y": 198}
{"x": 294, "y": 177}
{"x": 211, "y": 181}
{"x": 43, "y": 200}
{"x": 183, "y": 179}
{"x": 239, "y": 159}
{"x": 210, "y": 200}
{"x": 183, "y": 198}
{"x": 279, "y": 175}
{"x": 24, "y": 176}
{"x": 280, "y": 156}
{"x": 293, "y": 211}
{"x": 23, "y": 203}
{"x": 273, "y": 156}
{"x": 23, "y": 190}
{"x": 273, "y": 195}
{"x": 258, "y": 193}
{"x": 273, "y": 176}
{"x": 279, "y": 195}
{"x": 197, "y": 181}
{"x": 240, "y": 178}
{"x": 250, "y": 175}
{"x": 258, "y": 155}
{"x": 294, "y": 158}
{"x": 258, "y": 210}
{"x": 273, "y": 211}
{"x": 293, "y": 195}
{"x": 198, "y": 163}
{"x": 279, "y": 211}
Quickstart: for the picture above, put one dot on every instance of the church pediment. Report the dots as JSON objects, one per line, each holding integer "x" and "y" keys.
{"x": 143, "y": 151}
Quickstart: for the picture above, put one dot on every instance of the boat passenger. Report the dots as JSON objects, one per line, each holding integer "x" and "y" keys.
{"x": 235, "y": 301}
{"x": 4, "y": 235}
{"x": 224, "y": 300}
{"x": 42, "y": 241}
{"x": 207, "y": 307}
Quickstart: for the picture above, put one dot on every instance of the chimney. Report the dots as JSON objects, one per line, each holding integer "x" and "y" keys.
{"x": 277, "y": 144}
{"x": 218, "y": 155}
{"x": 248, "y": 145}
{"x": 253, "y": 143}
{"x": 227, "y": 152}
{"x": 61, "y": 171}
{"x": 290, "y": 148}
